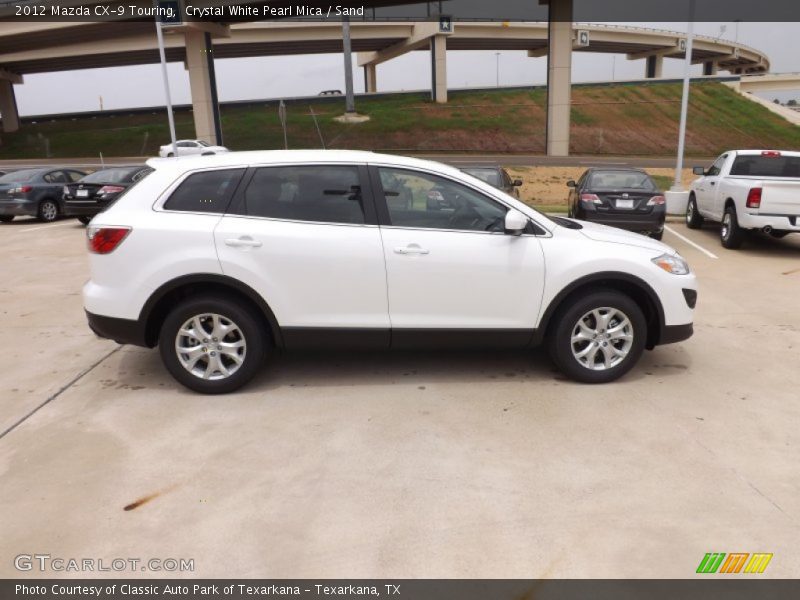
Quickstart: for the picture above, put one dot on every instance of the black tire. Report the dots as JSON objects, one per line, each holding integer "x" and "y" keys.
{"x": 170, "y": 154}
{"x": 566, "y": 321}
{"x": 249, "y": 327}
{"x": 694, "y": 220}
{"x": 6, "y": 218}
{"x": 84, "y": 219}
{"x": 48, "y": 210}
{"x": 657, "y": 235}
{"x": 730, "y": 234}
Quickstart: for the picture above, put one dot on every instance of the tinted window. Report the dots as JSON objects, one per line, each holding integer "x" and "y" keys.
{"x": 20, "y": 176}
{"x": 621, "y": 180}
{"x": 327, "y": 194}
{"x": 75, "y": 175}
{"x": 767, "y": 166}
{"x": 426, "y": 201}
{"x": 109, "y": 176}
{"x": 55, "y": 177}
{"x": 209, "y": 191}
{"x": 490, "y": 176}
{"x": 717, "y": 166}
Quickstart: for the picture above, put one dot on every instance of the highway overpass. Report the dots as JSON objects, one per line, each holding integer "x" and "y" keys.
{"x": 27, "y": 48}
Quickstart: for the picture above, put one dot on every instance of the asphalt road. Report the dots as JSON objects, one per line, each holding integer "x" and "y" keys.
{"x": 404, "y": 465}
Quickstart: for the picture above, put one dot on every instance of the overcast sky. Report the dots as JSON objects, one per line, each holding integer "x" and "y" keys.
{"x": 275, "y": 77}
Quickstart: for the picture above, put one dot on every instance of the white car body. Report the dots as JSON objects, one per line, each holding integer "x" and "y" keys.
{"x": 190, "y": 148}
{"x": 409, "y": 283}
{"x": 778, "y": 209}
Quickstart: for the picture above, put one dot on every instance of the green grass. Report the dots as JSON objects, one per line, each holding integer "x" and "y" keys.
{"x": 610, "y": 119}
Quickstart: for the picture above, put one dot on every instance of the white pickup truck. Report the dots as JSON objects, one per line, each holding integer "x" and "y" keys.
{"x": 747, "y": 190}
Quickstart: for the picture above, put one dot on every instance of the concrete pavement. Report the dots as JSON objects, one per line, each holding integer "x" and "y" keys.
{"x": 404, "y": 465}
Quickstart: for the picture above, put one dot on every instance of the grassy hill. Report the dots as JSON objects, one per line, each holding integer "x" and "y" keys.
{"x": 619, "y": 119}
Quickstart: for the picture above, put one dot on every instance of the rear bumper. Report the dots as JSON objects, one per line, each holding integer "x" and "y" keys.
{"x": 779, "y": 222}
{"x": 81, "y": 211}
{"x": 653, "y": 222}
{"x": 122, "y": 331}
{"x": 18, "y": 207}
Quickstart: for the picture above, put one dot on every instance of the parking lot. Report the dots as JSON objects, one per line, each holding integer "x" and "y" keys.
{"x": 398, "y": 465}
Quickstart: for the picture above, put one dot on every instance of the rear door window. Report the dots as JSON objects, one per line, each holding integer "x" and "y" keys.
{"x": 320, "y": 193}
{"x": 207, "y": 191}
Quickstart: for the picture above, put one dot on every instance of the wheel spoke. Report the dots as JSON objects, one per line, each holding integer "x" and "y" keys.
{"x": 201, "y": 350}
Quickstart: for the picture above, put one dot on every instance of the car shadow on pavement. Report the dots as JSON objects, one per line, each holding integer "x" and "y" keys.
{"x": 142, "y": 369}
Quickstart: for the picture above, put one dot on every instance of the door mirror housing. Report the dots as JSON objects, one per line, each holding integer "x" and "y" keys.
{"x": 515, "y": 222}
{"x": 699, "y": 170}
{"x": 571, "y": 183}
{"x": 517, "y": 182}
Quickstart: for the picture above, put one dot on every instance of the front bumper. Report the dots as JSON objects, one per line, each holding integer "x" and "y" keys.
{"x": 675, "y": 333}
{"x": 18, "y": 207}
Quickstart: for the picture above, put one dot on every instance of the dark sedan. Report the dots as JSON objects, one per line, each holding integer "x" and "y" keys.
{"x": 496, "y": 177}
{"x": 624, "y": 198}
{"x": 95, "y": 192}
{"x": 35, "y": 192}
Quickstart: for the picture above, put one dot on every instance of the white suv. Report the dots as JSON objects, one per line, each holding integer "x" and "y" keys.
{"x": 218, "y": 259}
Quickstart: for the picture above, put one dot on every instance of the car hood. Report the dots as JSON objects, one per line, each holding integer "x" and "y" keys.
{"x": 604, "y": 233}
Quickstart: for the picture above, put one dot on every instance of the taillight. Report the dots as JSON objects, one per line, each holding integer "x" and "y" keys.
{"x": 23, "y": 189}
{"x": 65, "y": 191}
{"x": 591, "y": 198}
{"x": 103, "y": 240}
{"x": 754, "y": 198}
{"x": 771, "y": 153}
{"x": 656, "y": 201}
{"x": 110, "y": 189}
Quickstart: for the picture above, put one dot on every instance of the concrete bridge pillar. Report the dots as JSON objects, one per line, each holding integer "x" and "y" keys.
{"x": 710, "y": 68}
{"x": 654, "y": 68}
{"x": 559, "y": 77}
{"x": 371, "y": 78}
{"x": 203, "y": 85}
{"x": 8, "y": 106}
{"x": 439, "y": 69}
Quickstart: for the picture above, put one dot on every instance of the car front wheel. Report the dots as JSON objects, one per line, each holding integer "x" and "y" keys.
{"x": 48, "y": 210}
{"x": 598, "y": 337}
{"x": 6, "y": 218}
{"x": 212, "y": 345}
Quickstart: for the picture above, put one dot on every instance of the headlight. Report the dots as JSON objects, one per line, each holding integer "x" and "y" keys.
{"x": 672, "y": 264}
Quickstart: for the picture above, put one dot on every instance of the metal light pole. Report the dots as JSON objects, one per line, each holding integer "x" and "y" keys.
{"x": 161, "y": 53}
{"x": 350, "y": 101}
{"x": 687, "y": 66}
{"x": 497, "y": 68}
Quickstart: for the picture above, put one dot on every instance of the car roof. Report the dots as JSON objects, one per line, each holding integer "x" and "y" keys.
{"x": 267, "y": 157}
{"x": 630, "y": 169}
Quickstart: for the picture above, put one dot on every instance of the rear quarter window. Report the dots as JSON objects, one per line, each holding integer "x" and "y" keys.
{"x": 207, "y": 191}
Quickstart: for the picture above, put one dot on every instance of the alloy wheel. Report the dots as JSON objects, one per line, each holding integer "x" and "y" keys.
{"x": 602, "y": 338}
{"x": 210, "y": 346}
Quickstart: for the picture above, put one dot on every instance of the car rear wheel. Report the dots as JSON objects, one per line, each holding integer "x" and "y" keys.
{"x": 212, "y": 345}
{"x": 730, "y": 234}
{"x": 84, "y": 219}
{"x": 657, "y": 235}
{"x": 170, "y": 154}
{"x": 598, "y": 337}
{"x": 6, "y": 218}
{"x": 694, "y": 220}
{"x": 48, "y": 210}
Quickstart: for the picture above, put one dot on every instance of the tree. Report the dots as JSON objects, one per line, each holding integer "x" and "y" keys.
{"x": 792, "y": 102}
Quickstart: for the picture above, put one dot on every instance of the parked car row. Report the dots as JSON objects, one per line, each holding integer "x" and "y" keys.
{"x": 52, "y": 192}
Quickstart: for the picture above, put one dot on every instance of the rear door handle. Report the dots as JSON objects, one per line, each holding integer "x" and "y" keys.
{"x": 243, "y": 242}
{"x": 411, "y": 249}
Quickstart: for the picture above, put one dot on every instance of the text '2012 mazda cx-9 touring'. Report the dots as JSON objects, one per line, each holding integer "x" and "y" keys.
{"x": 216, "y": 260}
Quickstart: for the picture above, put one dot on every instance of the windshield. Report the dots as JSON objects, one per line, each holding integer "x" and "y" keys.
{"x": 621, "y": 180}
{"x": 109, "y": 176}
{"x": 19, "y": 176}
{"x": 490, "y": 176}
{"x": 766, "y": 166}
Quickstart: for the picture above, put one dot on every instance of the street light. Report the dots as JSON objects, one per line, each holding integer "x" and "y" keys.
{"x": 497, "y": 68}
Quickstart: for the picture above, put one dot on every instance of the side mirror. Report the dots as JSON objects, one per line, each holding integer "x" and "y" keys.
{"x": 516, "y": 182}
{"x": 571, "y": 183}
{"x": 699, "y": 170}
{"x": 515, "y": 222}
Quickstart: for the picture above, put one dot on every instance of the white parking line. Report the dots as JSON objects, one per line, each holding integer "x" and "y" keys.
{"x": 690, "y": 242}
{"x": 49, "y": 225}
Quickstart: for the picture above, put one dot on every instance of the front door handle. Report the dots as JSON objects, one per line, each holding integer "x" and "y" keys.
{"x": 411, "y": 249}
{"x": 243, "y": 242}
